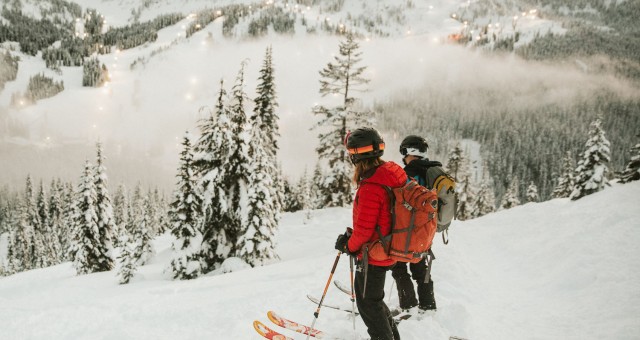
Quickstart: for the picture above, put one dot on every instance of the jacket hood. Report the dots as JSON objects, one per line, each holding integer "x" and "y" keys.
{"x": 389, "y": 174}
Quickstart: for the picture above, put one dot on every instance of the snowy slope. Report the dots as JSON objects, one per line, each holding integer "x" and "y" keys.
{"x": 553, "y": 270}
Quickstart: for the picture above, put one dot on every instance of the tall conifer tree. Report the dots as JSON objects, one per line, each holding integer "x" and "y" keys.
{"x": 510, "y": 198}
{"x": 592, "y": 170}
{"x": 87, "y": 254}
{"x": 211, "y": 154}
{"x": 186, "y": 218}
{"x": 566, "y": 180}
{"x": 342, "y": 77}
{"x": 103, "y": 207}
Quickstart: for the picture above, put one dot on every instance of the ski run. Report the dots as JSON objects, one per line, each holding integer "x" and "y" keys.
{"x": 559, "y": 269}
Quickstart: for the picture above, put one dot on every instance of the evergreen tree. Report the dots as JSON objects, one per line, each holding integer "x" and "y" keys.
{"x": 211, "y": 153}
{"x": 485, "y": 199}
{"x": 31, "y": 230}
{"x": 19, "y": 247}
{"x": 291, "y": 201}
{"x": 104, "y": 209}
{"x": 343, "y": 77}
{"x": 510, "y": 198}
{"x": 592, "y": 170}
{"x": 305, "y": 196}
{"x": 566, "y": 180}
{"x": 532, "y": 193}
{"x": 466, "y": 199}
{"x": 42, "y": 256}
{"x": 55, "y": 221}
{"x": 120, "y": 213}
{"x": 316, "y": 187}
{"x": 186, "y": 218}
{"x": 632, "y": 170}
{"x": 142, "y": 235}
{"x": 238, "y": 165}
{"x": 456, "y": 163}
{"x": 256, "y": 245}
{"x": 265, "y": 118}
{"x": 127, "y": 264}
{"x": 86, "y": 252}
{"x": 68, "y": 217}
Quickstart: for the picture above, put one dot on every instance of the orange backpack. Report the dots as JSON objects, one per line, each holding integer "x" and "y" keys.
{"x": 413, "y": 225}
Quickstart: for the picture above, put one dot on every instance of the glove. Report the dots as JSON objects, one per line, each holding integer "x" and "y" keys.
{"x": 342, "y": 242}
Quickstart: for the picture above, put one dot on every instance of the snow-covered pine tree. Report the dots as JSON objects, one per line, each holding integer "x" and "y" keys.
{"x": 136, "y": 249}
{"x": 68, "y": 216}
{"x": 42, "y": 256}
{"x": 291, "y": 201}
{"x": 186, "y": 218}
{"x": 30, "y": 221}
{"x": 632, "y": 170}
{"x": 127, "y": 264}
{"x": 142, "y": 234}
{"x": 532, "y": 193}
{"x": 305, "y": 195}
{"x": 104, "y": 209}
{"x": 86, "y": 252}
{"x": 342, "y": 77}
{"x": 456, "y": 163}
{"x": 592, "y": 170}
{"x": 256, "y": 243}
{"x": 566, "y": 180}
{"x": 163, "y": 214}
{"x": 466, "y": 198}
{"x": 211, "y": 153}
{"x": 55, "y": 221}
{"x": 510, "y": 198}
{"x": 266, "y": 119}
{"x": 19, "y": 247}
{"x": 238, "y": 165}
{"x": 316, "y": 187}
{"x": 485, "y": 199}
{"x": 120, "y": 214}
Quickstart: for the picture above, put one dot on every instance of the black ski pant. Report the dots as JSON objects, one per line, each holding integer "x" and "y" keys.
{"x": 406, "y": 294}
{"x": 373, "y": 310}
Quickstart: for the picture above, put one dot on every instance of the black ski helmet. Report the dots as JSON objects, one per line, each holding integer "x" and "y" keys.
{"x": 414, "y": 145}
{"x": 364, "y": 143}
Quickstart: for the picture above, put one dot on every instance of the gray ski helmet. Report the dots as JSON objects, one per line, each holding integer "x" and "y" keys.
{"x": 415, "y": 146}
{"x": 364, "y": 143}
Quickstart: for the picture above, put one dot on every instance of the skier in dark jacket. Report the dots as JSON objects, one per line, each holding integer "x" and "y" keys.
{"x": 414, "y": 151}
{"x": 370, "y": 210}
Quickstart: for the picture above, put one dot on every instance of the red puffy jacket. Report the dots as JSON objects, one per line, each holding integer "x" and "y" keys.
{"x": 371, "y": 207}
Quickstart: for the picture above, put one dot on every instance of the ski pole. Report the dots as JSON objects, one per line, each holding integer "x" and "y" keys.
{"x": 326, "y": 287}
{"x": 353, "y": 298}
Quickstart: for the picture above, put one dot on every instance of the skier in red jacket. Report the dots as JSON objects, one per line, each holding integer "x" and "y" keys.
{"x": 371, "y": 211}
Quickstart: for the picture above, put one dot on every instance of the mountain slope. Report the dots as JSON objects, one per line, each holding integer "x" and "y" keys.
{"x": 553, "y": 270}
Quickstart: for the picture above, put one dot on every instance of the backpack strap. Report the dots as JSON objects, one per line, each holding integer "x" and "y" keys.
{"x": 445, "y": 236}
{"x": 430, "y": 258}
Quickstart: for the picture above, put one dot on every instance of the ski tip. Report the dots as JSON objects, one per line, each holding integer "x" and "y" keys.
{"x": 267, "y": 332}
{"x": 260, "y": 328}
{"x": 274, "y": 317}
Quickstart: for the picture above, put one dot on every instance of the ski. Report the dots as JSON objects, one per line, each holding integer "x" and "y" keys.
{"x": 343, "y": 288}
{"x": 317, "y": 301}
{"x": 296, "y": 327}
{"x": 267, "y": 332}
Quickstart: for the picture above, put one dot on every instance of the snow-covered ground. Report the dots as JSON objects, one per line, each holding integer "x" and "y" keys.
{"x": 552, "y": 270}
